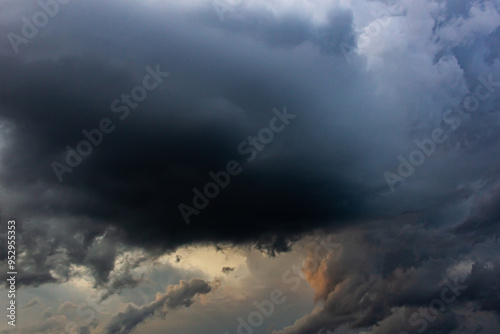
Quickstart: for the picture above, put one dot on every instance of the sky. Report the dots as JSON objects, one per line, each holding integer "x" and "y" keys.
{"x": 251, "y": 166}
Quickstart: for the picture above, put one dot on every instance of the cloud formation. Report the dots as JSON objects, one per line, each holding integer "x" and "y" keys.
{"x": 176, "y": 296}
{"x": 369, "y": 81}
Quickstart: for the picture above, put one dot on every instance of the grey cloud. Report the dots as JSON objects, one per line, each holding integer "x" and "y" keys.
{"x": 152, "y": 162}
{"x": 123, "y": 278}
{"x": 364, "y": 287}
{"x": 176, "y": 296}
{"x": 484, "y": 218}
{"x": 32, "y": 302}
{"x": 324, "y": 171}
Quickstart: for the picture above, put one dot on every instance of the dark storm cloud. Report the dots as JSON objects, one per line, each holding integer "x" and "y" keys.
{"x": 190, "y": 125}
{"x": 324, "y": 170}
{"x": 484, "y": 286}
{"x": 484, "y": 219}
{"x": 51, "y": 247}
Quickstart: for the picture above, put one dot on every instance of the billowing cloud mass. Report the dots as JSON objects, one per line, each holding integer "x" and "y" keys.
{"x": 132, "y": 133}
{"x": 412, "y": 280}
